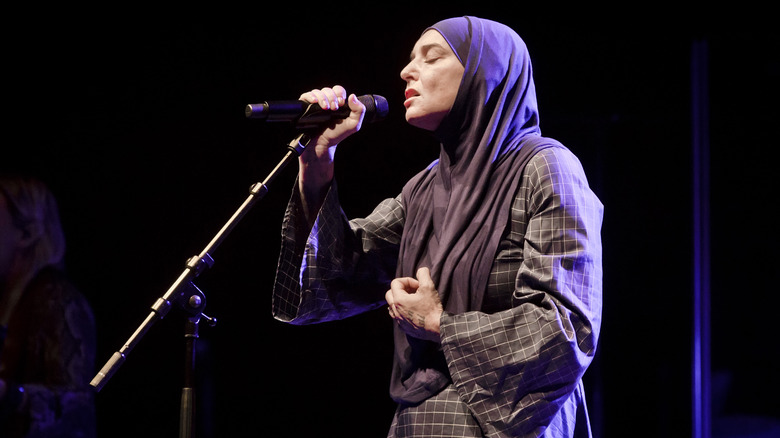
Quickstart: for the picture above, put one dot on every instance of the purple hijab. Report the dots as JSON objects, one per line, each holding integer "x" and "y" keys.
{"x": 458, "y": 208}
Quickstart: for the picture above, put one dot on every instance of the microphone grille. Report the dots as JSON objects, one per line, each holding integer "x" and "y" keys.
{"x": 376, "y": 107}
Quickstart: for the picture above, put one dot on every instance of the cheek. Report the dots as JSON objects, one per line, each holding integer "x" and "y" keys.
{"x": 452, "y": 85}
{"x": 449, "y": 100}
{"x": 446, "y": 89}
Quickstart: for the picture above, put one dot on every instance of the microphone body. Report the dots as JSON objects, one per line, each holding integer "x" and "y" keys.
{"x": 306, "y": 115}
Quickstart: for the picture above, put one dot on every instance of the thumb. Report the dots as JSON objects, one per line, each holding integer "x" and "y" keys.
{"x": 424, "y": 275}
{"x": 357, "y": 109}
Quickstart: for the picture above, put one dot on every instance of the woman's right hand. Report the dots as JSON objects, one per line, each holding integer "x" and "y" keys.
{"x": 331, "y": 99}
{"x": 316, "y": 160}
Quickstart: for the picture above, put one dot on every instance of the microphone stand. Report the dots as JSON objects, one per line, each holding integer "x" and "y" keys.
{"x": 186, "y": 296}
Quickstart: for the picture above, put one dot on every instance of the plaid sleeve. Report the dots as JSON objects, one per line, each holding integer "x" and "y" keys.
{"x": 517, "y": 368}
{"x": 338, "y": 269}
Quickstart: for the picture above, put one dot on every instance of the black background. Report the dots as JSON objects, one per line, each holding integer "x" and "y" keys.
{"x": 135, "y": 119}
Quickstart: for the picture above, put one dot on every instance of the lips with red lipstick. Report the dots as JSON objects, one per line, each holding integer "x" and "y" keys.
{"x": 408, "y": 95}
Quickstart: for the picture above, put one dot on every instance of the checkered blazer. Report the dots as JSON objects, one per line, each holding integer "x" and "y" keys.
{"x": 517, "y": 362}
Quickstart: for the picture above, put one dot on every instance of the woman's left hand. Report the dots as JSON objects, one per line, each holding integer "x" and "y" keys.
{"x": 415, "y": 305}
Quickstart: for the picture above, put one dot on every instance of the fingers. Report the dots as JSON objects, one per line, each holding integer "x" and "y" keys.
{"x": 398, "y": 294}
{"x": 406, "y": 284}
{"x": 391, "y": 304}
{"x": 415, "y": 305}
{"x": 399, "y": 287}
{"x": 327, "y": 98}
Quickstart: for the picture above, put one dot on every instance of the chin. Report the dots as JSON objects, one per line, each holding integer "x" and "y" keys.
{"x": 420, "y": 122}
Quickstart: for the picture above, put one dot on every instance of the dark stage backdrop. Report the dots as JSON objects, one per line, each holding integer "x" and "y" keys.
{"x": 136, "y": 122}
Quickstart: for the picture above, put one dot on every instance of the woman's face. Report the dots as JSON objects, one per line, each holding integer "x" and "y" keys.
{"x": 432, "y": 78}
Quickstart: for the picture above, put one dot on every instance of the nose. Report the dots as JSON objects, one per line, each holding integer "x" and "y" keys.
{"x": 406, "y": 72}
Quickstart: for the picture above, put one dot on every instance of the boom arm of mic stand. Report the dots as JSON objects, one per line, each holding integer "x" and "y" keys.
{"x": 178, "y": 292}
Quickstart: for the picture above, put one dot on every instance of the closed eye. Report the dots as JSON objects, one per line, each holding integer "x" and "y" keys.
{"x": 430, "y": 52}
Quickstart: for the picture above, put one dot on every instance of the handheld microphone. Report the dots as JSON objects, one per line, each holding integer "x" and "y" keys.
{"x": 306, "y": 115}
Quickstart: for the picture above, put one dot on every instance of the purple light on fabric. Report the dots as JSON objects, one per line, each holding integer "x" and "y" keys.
{"x": 459, "y": 41}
